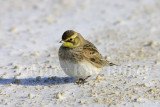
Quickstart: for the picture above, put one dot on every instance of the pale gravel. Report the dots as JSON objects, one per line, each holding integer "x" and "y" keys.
{"x": 127, "y": 32}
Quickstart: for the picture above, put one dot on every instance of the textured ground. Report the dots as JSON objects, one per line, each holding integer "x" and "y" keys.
{"x": 126, "y": 32}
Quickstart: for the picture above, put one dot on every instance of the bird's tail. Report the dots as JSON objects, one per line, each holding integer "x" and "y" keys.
{"x": 112, "y": 64}
{"x": 108, "y": 63}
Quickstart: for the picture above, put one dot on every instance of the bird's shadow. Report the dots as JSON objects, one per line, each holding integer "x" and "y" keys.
{"x": 38, "y": 81}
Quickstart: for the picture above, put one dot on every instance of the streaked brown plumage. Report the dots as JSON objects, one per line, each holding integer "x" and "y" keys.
{"x": 76, "y": 49}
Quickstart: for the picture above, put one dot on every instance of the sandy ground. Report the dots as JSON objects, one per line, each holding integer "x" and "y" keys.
{"x": 126, "y": 32}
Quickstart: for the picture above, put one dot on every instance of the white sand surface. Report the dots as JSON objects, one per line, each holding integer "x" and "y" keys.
{"x": 127, "y": 32}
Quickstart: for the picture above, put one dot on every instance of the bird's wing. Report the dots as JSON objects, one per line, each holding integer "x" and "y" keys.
{"x": 92, "y": 55}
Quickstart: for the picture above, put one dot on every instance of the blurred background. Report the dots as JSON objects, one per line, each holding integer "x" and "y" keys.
{"x": 126, "y": 32}
{"x": 37, "y": 25}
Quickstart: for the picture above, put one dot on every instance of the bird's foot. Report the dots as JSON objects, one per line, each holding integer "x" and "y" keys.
{"x": 81, "y": 81}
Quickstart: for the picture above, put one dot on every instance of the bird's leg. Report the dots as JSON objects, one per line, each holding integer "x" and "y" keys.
{"x": 87, "y": 77}
{"x": 82, "y": 81}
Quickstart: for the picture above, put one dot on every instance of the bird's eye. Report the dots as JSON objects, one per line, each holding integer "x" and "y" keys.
{"x": 71, "y": 39}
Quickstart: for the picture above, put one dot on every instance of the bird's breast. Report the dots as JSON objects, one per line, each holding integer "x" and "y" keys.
{"x": 80, "y": 69}
{"x": 70, "y": 54}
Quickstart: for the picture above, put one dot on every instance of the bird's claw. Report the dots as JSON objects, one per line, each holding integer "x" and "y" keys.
{"x": 80, "y": 81}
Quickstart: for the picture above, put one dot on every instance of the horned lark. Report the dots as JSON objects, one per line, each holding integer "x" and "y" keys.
{"x": 79, "y": 58}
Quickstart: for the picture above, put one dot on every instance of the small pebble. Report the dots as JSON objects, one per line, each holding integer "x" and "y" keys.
{"x": 38, "y": 78}
{"x": 30, "y": 96}
{"x": 152, "y": 43}
{"x": 59, "y": 95}
{"x": 98, "y": 77}
{"x": 13, "y": 29}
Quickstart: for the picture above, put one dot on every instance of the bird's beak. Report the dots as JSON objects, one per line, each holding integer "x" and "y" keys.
{"x": 61, "y": 41}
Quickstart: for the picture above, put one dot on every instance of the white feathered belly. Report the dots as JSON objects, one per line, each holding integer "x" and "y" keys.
{"x": 79, "y": 70}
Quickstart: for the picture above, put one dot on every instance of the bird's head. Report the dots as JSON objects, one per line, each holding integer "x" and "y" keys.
{"x": 71, "y": 39}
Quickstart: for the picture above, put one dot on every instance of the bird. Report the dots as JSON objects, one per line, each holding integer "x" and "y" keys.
{"x": 79, "y": 58}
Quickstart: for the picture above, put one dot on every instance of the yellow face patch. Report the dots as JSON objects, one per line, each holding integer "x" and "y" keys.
{"x": 68, "y": 44}
{"x": 72, "y": 37}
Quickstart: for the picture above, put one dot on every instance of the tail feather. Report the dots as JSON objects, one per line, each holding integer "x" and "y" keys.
{"x": 110, "y": 63}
